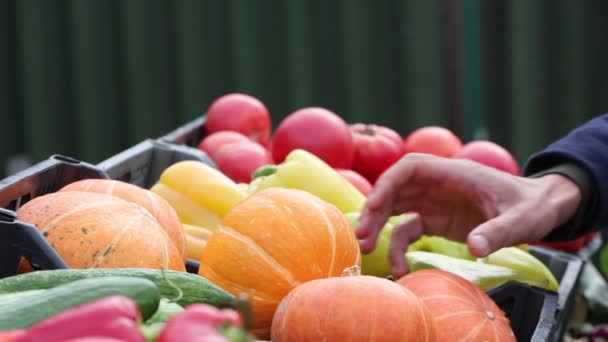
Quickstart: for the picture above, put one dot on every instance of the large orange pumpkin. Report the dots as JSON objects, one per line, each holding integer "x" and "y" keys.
{"x": 273, "y": 241}
{"x": 352, "y": 308}
{"x": 90, "y": 230}
{"x": 156, "y": 205}
{"x": 461, "y": 310}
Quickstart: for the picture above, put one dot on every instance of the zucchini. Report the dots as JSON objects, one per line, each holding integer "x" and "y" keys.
{"x": 24, "y": 311}
{"x": 196, "y": 289}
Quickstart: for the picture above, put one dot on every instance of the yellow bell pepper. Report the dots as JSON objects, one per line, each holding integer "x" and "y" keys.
{"x": 202, "y": 185}
{"x": 200, "y": 195}
{"x": 304, "y": 171}
{"x": 196, "y": 240}
{"x": 188, "y": 211}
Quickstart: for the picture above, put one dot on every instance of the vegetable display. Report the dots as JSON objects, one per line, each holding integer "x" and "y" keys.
{"x": 280, "y": 239}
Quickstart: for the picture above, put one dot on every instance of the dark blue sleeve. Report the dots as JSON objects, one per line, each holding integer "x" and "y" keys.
{"x": 585, "y": 147}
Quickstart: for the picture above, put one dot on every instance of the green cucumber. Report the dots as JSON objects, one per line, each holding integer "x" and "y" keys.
{"x": 24, "y": 311}
{"x": 196, "y": 289}
{"x": 4, "y": 297}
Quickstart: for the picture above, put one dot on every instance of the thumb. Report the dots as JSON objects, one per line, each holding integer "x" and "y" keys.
{"x": 492, "y": 235}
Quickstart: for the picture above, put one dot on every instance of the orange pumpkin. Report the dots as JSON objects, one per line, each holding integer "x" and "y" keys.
{"x": 461, "y": 310}
{"x": 273, "y": 241}
{"x": 352, "y": 308}
{"x": 156, "y": 205}
{"x": 90, "y": 230}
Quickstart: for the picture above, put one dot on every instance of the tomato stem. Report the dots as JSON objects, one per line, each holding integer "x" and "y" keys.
{"x": 367, "y": 130}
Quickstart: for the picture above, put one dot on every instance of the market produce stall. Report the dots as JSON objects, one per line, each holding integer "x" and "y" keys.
{"x": 252, "y": 237}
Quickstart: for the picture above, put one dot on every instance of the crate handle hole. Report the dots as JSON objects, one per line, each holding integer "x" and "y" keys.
{"x": 6, "y": 217}
{"x": 66, "y": 159}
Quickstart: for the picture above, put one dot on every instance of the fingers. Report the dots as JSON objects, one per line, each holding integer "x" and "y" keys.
{"x": 391, "y": 181}
{"x": 380, "y": 203}
{"x": 404, "y": 232}
{"x": 369, "y": 228}
{"x": 502, "y": 231}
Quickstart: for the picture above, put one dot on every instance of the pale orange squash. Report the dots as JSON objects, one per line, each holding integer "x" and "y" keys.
{"x": 90, "y": 230}
{"x": 156, "y": 205}
{"x": 352, "y": 308}
{"x": 461, "y": 310}
{"x": 273, "y": 241}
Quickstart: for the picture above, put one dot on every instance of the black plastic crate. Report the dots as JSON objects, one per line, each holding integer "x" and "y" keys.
{"x": 592, "y": 248}
{"x": 44, "y": 178}
{"x": 547, "y": 323}
{"x": 189, "y": 134}
{"x": 143, "y": 163}
{"x": 532, "y": 311}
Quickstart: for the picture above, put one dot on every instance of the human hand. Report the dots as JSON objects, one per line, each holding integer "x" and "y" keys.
{"x": 463, "y": 201}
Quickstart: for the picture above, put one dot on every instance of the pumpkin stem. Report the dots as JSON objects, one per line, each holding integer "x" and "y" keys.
{"x": 243, "y": 306}
{"x": 490, "y": 315}
{"x": 353, "y": 271}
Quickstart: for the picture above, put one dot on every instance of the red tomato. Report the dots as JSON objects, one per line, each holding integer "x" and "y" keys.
{"x": 433, "y": 140}
{"x": 240, "y": 113}
{"x": 376, "y": 149}
{"x": 362, "y": 184}
{"x": 214, "y": 141}
{"x": 490, "y": 154}
{"x": 239, "y": 160}
{"x": 318, "y": 131}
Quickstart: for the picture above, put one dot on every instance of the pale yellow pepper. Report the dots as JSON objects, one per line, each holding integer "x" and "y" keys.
{"x": 304, "y": 171}
{"x": 204, "y": 185}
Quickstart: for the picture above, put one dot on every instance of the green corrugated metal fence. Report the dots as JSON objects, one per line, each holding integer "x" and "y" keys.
{"x": 90, "y": 78}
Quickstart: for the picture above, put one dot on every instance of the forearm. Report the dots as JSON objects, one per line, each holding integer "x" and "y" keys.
{"x": 564, "y": 199}
{"x": 582, "y": 158}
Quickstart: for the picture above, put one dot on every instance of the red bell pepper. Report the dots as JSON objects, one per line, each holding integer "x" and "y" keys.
{"x": 202, "y": 322}
{"x": 94, "y": 339}
{"x": 11, "y": 336}
{"x": 113, "y": 317}
{"x": 568, "y": 246}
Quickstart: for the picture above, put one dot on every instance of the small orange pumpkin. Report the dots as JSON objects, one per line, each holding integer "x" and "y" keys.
{"x": 352, "y": 308}
{"x": 273, "y": 241}
{"x": 156, "y": 205}
{"x": 461, "y": 310}
{"x": 90, "y": 230}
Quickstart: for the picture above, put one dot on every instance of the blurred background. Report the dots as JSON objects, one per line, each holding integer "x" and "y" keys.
{"x": 90, "y": 78}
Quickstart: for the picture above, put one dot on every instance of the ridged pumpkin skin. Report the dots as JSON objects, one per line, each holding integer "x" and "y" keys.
{"x": 91, "y": 230}
{"x": 461, "y": 310}
{"x": 273, "y": 241}
{"x": 352, "y": 308}
{"x": 156, "y": 205}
